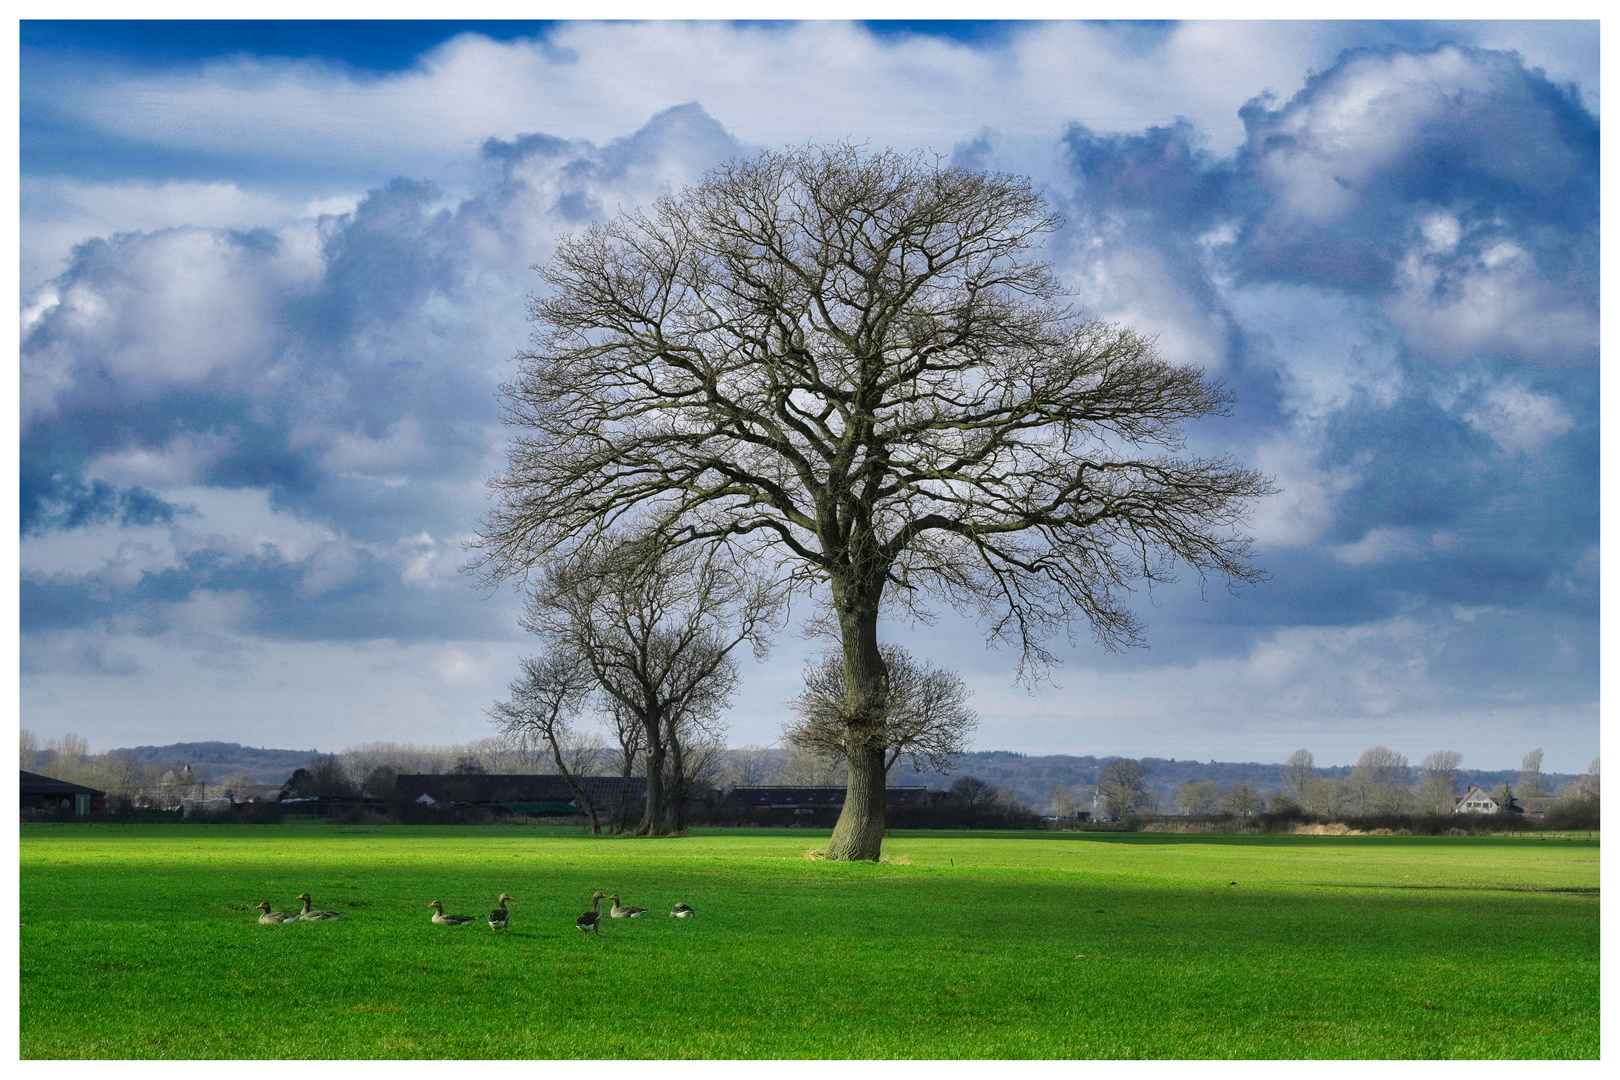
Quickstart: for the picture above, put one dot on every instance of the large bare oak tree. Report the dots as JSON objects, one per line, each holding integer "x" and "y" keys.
{"x": 847, "y": 365}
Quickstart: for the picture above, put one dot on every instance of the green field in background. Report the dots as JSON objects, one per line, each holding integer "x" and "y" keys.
{"x": 142, "y": 942}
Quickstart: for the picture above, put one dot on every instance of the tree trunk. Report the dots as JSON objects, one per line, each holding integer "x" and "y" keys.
{"x": 652, "y": 819}
{"x": 621, "y": 820}
{"x": 577, "y": 787}
{"x": 858, "y": 834}
{"x": 675, "y": 796}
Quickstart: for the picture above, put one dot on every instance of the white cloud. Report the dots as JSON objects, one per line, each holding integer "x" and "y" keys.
{"x": 59, "y": 213}
{"x": 1137, "y": 286}
{"x": 1453, "y": 305}
{"x": 1382, "y": 545}
{"x": 150, "y": 311}
{"x": 1306, "y": 503}
{"x": 177, "y": 463}
{"x": 1325, "y": 346}
{"x": 1518, "y": 418}
{"x": 353, "y": 453}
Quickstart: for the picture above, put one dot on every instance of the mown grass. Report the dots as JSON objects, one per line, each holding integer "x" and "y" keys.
{"x": 141, "y": 942}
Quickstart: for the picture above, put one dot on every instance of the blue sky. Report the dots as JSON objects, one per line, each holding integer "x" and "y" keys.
{"x": 272, "y": 274}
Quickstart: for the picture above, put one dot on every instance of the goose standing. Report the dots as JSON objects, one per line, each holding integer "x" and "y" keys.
{"x": 275, "y": 918}
{"x": 625, "y": 911}
{"x": 442, "y": 919}
{"x": 681, "y": 911}
{"x": 592, "y": 919}
{"x": 500, "y": 918}
{"x": 316, "y": 916}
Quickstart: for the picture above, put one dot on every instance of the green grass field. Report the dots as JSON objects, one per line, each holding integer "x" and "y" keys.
{"x": 142, "y": 942}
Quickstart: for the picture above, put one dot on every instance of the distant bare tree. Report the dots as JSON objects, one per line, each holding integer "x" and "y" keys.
{"x": 751, "y": 765}
{"x": 925, "y": 714}
{"x": 972, "y": 791}
{"x": 237, "y": 783}
{"x": 845, "y": 364}
{"x": 805, "y": 767}
{"x": 1531, "y": 783}
{"x": 1061, "y": 801}
{"x": 1243, "y": 800}
{"x": 1121, "y": 786}
{"x": 1199, "y": 796}
{"x": 323, "y": 777}
{"x": 1436, "y": 791}
{"x": 1377, "y": 782}
{"x": 29, "y": 751}
{"x": 1298, "y": 773}
{"x": 1325, "y": 797}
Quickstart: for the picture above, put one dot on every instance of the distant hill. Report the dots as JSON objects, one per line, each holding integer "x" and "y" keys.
{"x": 1031, "y": 776}
{"x": 218, "y": 758}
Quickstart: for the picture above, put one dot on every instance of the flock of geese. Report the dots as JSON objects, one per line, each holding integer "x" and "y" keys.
{"x": 498, "y": 919}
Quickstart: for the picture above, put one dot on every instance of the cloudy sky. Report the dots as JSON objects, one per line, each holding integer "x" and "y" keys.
{"x": 272, "y": 274}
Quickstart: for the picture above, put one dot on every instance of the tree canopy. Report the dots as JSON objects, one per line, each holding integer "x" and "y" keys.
{"x": 847, "y": 366}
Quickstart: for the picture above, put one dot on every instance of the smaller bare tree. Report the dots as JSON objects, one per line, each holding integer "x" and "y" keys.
{"x": 1061, "y": 801}
{"x": 750, "y": 765}
{"x": 544, "y": 700}
{"x": 1378, "y": 782}
{"x": 1243, "y": 800}
{"x": 1297, "y": 774}
{"x": 1532, "y": 785}
{"x": 1199, "y": 796}
{"x": 805, "y": 767}
{"x": 972, "y": 791}
{"x": 925, "y": 715}
{"x": 1121, "y": 787}
{"x": 1436, "y": 791}
{"x": 1325, "y": 797}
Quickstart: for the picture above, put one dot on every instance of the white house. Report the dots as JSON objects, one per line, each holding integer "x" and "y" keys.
{"x": 1475, "y": 801}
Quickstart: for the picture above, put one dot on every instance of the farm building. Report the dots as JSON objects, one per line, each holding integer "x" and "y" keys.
{"x": 814, "y": 798}
{"x": 538, "y": 795}
{"x": 43, "y": 793}
{"x": 1475, "y": 801}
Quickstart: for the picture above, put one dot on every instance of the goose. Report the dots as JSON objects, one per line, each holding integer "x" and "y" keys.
{"x": 448, "y": 920}
{"x": 625, "y": 911}
{"x": 500, "y": 918}
{"x": 592, "y": 919}
{"x": 275, "y": 918}
{"x": 316, "y": 916}
{"x": 681, "y": 911}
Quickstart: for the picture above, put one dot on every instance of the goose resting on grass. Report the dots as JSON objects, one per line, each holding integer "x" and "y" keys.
{"x": 275, "y": 918}
{"x": 592, "y": 919}
{"x": 442, "y": 919}
{"x": 681, "y": 911}
{"x": 316, "y": 916}
{"x": 500, "y": 918}
{"x": 625, "y": 911}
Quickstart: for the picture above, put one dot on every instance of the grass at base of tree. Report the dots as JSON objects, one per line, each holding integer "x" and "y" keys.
{"x": 142, "y": 942}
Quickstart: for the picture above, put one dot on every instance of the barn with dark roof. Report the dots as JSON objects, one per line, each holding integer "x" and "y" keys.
{"x": 42, "y": 794}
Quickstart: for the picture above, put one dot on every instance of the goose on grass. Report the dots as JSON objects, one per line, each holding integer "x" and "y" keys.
{"x": 442, "y": 919}
{"x": 500, "y": 918}
{"x": 275, "y": 918}
{"x": 681, "y": 911}
{"x": 625, "y": 911}
{"x": 312, "y": 915}
{"x": 592, "y": 919}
